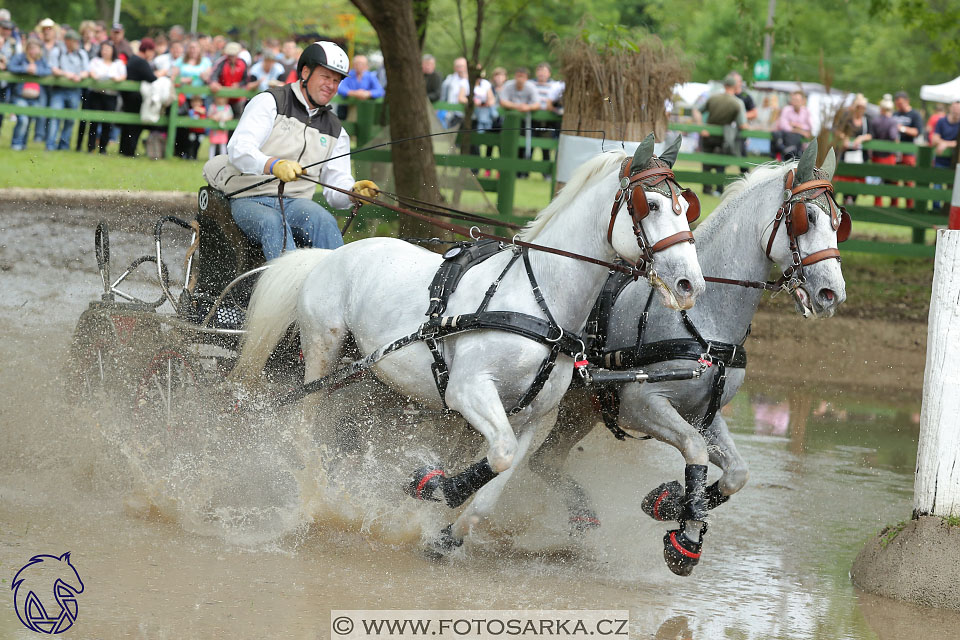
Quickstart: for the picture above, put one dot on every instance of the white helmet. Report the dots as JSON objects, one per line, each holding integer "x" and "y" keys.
{"x": 324, "y": 54}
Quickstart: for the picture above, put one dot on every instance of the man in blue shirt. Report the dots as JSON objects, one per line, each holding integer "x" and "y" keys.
{"x": 70, "y": 63}
{"x": 945, "y": 135}
{"x": 359, "y": 84}
{"x": 27, "y": 94}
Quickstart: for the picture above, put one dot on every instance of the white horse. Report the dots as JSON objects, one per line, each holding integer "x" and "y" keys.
{"x": 377, "y": 291}
{"x": 740, "y": 240}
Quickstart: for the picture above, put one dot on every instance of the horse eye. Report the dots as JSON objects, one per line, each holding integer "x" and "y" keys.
{"x": 654, "y": 205}
{"x": 811, "y": 216}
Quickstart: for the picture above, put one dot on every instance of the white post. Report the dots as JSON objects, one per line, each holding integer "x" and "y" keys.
{"x": 116, "y": 11}
{"x": 193, "y": 16}
{"x": 937, "y": 487}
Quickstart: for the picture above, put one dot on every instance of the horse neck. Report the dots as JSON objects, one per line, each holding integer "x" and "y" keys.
{"x": 730, "y": 245}
{"x": 569, "y": 286}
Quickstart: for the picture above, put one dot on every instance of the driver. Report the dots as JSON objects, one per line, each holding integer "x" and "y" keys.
{"x": 282, "y": 130}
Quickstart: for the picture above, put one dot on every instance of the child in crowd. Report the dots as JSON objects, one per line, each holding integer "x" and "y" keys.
{"x": 220, "y": 112}
{"x": 196, "y": 112}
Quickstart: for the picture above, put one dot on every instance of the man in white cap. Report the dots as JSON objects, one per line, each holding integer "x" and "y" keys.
{"x": 230, "y": 72}
{"x": 289, "y": 132}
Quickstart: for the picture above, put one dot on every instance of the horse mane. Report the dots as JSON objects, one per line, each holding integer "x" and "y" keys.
{"x": 758, "y": 174}
{"x": 601, "y": 163}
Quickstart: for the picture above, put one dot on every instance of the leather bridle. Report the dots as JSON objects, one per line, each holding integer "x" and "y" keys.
{"x": 792, "y": 214}
{"x": 632, "y": 191}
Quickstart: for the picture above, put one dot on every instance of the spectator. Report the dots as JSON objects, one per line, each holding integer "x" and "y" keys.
{"x": 768, "y": 113}
{"x": 483, "y": 101}
{"x": 138, "y": 70}
{"x": 74, "y": 65}
{"x": 165, "y": 63}
{"x": 88, "y": 42}
{"x": 359, "y": 84}
{"x": 206, "y": 47}
{"x": 726, "y": 110}
{"x": 220, "y": 112}
{"x": 853, "y": 129}
{"x": 104, "y": 67}
{"x": 9, "y": 47}
{"x": 944, "y": 136}
{"x": 291, "y": 54}
{"x": 793, "y": 126}
{"x": 520, "y": 95}
{"x": 883, "y": 127}
{"x": 176, "y": 34}
{"x": 266, "y": 73}
{"x": 549, "y": 92}
{"x": 50, "y": 36}
{"x": 939, "y": 111}
{"x": 750, "y": 109}
{"x": 230, "y": 72}
{"x": 90, "y": 31}
{"x": 120, "y": 44}
{"x": 191, "y": 137}
{"x": 432, "y": 77}
{"x": 497, "y": 81}
{"x": 910, "y": 127}
{"x": 27, "y": 94}
{"x": 193, "y": 66}
{"x": 271, "y": 47}
{"x": 450, "y": 91}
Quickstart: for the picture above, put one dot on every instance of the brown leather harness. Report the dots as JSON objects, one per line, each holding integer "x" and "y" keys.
{"x": 633, "y": 187}
{"x": 792, "y": 214}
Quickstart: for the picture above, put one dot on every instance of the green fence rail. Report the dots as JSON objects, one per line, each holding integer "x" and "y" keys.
{"x": 922, "y": 184}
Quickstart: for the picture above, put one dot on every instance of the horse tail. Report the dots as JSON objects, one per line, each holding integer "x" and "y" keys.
{"x": 273, "y": 308}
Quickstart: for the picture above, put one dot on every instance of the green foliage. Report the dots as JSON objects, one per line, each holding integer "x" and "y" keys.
{"x": 953, "y": 521}
{"x": 890, "y": 533}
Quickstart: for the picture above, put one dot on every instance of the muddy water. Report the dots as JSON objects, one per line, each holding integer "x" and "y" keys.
{"x": 252, "y": 528}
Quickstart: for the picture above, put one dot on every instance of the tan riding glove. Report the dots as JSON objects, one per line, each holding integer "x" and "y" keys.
{"x": 367, "y": 188}
{"x": 287, "y": 170}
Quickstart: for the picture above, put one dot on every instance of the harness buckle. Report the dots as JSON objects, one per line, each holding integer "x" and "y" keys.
{"x": 558, "y": 338}
{"x": 428, "y": 331}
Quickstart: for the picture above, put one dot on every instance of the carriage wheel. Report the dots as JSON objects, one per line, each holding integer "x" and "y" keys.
{"x": 168, "y": 387}
{"x": 94, "y": 363}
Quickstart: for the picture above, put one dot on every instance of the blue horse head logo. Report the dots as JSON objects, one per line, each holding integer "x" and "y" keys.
{"x": 32, "y": 587}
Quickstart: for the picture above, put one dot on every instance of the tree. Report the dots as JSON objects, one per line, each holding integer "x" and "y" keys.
{"x": 414, "y": 167}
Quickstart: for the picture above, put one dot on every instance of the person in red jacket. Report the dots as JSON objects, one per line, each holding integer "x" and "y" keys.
{"x": 230, "y": 71}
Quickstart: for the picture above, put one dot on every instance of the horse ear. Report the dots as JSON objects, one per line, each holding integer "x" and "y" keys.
{"x": 65, "y": 557}
{"x": 829, "y": 165}
{"x": 643, "y": 154}
{"x": 807, "y": 162}
{"x": 669, "y": 154}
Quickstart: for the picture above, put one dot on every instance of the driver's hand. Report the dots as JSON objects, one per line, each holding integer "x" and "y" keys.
{"x": 367, "y": 188}
{"x": 287, "y": 170}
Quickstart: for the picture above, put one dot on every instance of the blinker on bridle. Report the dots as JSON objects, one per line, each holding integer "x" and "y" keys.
{"x": 633, "y": 187}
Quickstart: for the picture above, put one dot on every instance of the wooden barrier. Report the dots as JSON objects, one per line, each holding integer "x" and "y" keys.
{"x": 937, "y": 486}
{"x": 930, "y": 184}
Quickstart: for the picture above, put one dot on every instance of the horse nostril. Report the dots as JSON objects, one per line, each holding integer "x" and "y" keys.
{"x": 684, "y": 286}
{"x": 827, "y": 294}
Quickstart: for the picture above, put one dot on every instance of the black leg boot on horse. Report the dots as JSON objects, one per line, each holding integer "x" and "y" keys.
{"x": 681, "y": 547}
{"x": 456, "y": 489}
{"x": 665, "y": 503}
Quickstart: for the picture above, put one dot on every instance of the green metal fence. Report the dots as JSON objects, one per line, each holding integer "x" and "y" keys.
{"x": 922, "y": 184}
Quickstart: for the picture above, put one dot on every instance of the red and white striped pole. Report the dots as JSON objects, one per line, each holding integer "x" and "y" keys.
{"x": 954, "y": 221}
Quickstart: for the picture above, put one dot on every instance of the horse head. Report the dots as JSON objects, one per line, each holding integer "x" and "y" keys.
{"x": 806, "y": 233}
{"x": 46, "y": 574}
{"x": 657, "y": 230}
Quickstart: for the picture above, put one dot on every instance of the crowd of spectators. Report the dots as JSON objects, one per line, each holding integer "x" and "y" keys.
{"x": 791, "y": 127}
{"x": 92, "y": 50}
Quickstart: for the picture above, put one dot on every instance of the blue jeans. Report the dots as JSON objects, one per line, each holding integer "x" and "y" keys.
{"x": 20, "y": 130}
{"x": 308, "y": 224}
{"x": 62, "y": 99}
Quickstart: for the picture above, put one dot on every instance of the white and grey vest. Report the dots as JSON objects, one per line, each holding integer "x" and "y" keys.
{"x": 295, "y": 136}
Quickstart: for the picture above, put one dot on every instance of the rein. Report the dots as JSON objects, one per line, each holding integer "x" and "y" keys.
{"x": 476, "y": 233}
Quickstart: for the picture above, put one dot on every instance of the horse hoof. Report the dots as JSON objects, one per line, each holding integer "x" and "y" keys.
{"x": 443, "y": 544}
{"x": 680, "y": 553}
{"x": 664, "y": 503}
{"x": 583, "y": 521}
{"x": 425, "y": 482}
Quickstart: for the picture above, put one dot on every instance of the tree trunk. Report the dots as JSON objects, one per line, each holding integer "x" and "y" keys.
{"x": 414, "y": 168}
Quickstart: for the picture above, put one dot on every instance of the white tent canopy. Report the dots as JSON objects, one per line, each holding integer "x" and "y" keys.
{"x": 946, "y": 92}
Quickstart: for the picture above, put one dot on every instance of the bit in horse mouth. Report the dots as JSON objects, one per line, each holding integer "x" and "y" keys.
{"x": 803, "y": 301}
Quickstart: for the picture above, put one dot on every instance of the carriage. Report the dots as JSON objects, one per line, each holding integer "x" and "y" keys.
{"x": 150, "y": 361}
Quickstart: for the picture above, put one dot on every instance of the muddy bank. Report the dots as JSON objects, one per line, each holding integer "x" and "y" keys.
{"x": 917, "y": 561}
